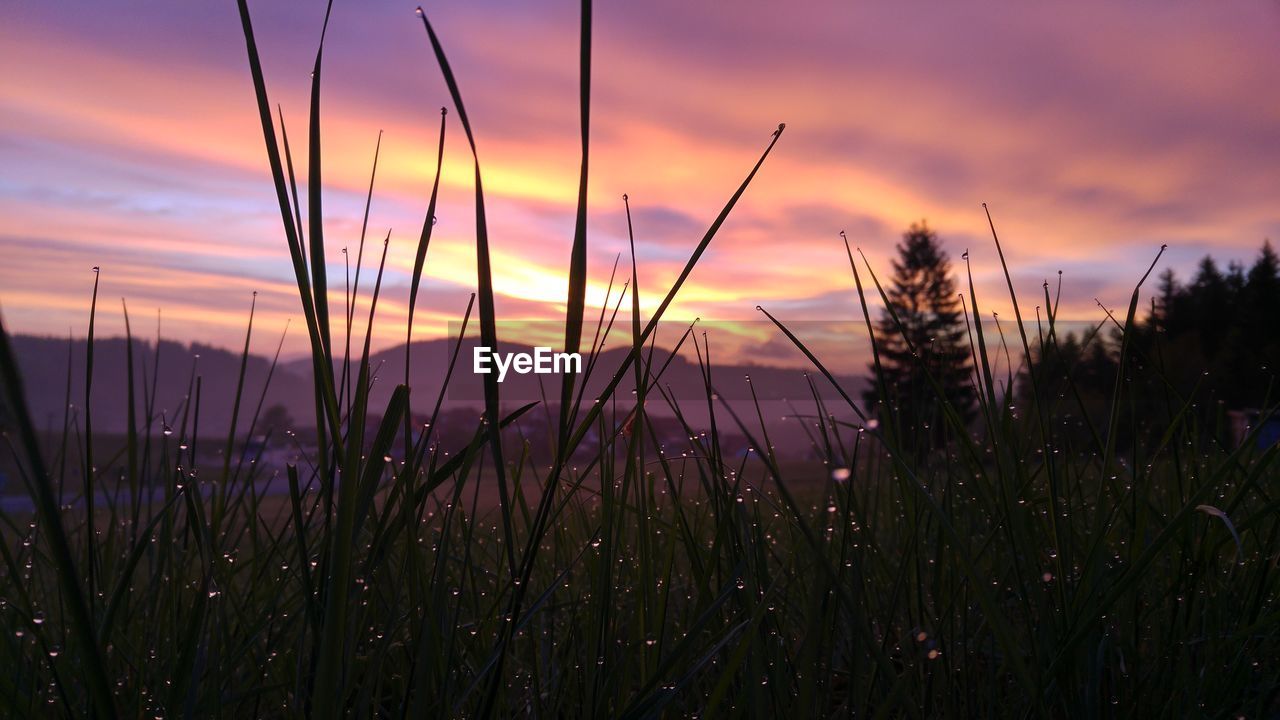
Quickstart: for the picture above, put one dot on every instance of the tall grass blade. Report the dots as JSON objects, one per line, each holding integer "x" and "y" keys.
{"x": 322, "y": 367}
{"x": 47, "y": 508}
{"x": 91, "y": 553}
{"x": 484, "y": 278}
{"x": 419, "y": 261}
{"x": 315, "y": 211}
{"x": 576, "y": 302}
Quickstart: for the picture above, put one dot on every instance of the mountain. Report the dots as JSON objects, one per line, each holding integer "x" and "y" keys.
{"x": 44, "y": 362}
{"x": 430, "y": 361}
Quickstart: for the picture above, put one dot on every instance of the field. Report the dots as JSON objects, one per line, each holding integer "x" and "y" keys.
{"x": 1028, "y": 564}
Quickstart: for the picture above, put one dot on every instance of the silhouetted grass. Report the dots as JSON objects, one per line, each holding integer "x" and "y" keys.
{"x": 1010, "y": 572}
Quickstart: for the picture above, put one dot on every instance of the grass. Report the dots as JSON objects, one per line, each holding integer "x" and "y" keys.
{"x": 1016, "y": 571}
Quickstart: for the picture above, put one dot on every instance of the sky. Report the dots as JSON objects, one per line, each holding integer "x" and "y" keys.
{"x": 1096, "y": 132}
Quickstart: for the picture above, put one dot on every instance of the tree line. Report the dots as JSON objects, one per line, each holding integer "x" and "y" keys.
{"x": 1204, "y": 347}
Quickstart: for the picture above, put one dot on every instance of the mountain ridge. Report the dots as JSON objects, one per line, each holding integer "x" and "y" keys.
{"x": 44, "y": 363}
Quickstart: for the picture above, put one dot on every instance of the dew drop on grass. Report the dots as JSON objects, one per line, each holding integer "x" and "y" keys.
{"x": 840, "y": 474}
{"x": 38, "y": 617}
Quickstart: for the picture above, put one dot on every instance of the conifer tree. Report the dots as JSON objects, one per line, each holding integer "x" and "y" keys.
{"x": 932, "y": 335}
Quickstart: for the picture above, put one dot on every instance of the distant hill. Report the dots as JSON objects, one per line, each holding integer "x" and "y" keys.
{"x": 43, "y": 362}
{"x": 44, "y": 365}
{"x": 430, "y": 359}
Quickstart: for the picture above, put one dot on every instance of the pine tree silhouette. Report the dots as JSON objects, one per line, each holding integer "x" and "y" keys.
{"x": 932, "y": 335}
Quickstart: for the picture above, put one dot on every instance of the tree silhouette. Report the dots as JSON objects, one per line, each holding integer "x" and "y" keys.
{"x": 277, "y": 421}
{"x": 929, "y": 333}
{"x": 1213, "y": 344}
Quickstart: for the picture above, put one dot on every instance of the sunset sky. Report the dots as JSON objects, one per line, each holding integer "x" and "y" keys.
{"x": 129, "y": 139}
